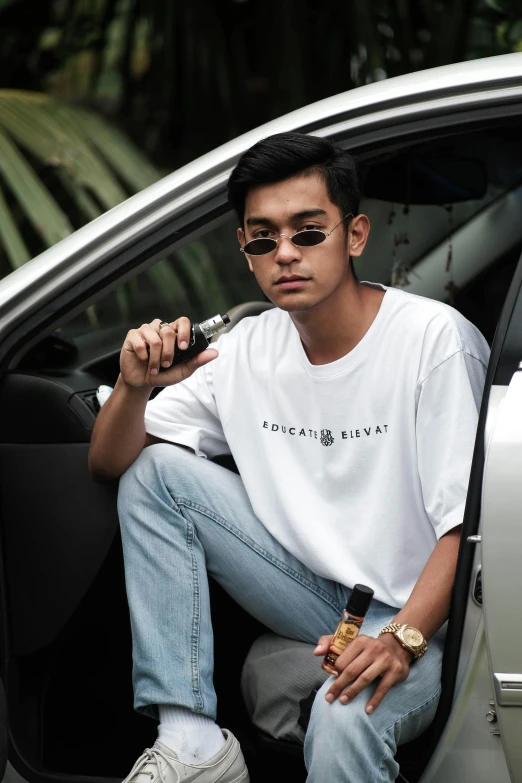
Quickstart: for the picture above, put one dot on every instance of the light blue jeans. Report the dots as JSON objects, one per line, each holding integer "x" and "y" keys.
{"x": 183, "y": 517}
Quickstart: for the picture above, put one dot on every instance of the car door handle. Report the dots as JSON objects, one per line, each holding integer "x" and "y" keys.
{"x": 508, "y": 689}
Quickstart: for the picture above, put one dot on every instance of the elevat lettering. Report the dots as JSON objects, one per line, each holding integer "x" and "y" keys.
{"x": 326, "y": 436}
{"x": 366, "y": 431}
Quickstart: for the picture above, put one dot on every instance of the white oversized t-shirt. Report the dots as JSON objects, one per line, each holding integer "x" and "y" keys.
{"x": 356, "y": 467}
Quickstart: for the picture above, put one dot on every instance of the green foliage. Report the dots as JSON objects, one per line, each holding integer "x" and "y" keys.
{"x": 50, "y": 153}
{"x": 60, "y": 167}
{"x": 185, "y": 77}
{"x": 496, "y": 28}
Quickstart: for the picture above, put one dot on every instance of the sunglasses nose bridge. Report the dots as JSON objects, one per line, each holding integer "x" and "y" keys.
{"x": 285, "y": 247}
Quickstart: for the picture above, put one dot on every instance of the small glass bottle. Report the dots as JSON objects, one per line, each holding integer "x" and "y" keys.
{"x": 349, "y": 625}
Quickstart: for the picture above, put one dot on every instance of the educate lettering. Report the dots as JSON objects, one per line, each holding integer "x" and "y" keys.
{"x": 363, "y": 432}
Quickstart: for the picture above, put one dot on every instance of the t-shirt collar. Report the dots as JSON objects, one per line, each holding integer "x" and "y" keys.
{"x": 353, "y": 357}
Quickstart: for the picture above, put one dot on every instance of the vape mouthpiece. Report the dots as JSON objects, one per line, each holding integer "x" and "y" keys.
{"x": 214, "y": 325}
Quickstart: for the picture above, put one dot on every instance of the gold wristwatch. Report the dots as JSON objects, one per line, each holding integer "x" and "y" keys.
{"x": 409, "y": 637}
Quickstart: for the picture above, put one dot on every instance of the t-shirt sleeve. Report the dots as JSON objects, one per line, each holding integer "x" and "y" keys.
{"x": 186, "y": 413}
{"x": 447, "y": 416}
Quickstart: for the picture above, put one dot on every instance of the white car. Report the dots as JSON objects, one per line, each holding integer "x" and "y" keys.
{"x": 444, "y": 195}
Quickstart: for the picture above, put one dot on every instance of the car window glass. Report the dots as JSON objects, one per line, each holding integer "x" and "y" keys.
{"x": 206, "y": 276}
{"x": 465, "y": 252}
{"x": 401, "y": 234}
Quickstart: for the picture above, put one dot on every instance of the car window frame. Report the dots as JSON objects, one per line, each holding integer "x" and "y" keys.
{"x": 28, "y": 313}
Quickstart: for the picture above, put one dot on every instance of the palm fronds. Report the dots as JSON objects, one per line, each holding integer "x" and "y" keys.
{"x": 60, "y": 167}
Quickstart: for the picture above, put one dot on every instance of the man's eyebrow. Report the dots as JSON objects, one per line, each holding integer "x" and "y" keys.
{"x": 308, "y": 213}
{"x": 258, "y": 221}
{"x": 305, "y": 213}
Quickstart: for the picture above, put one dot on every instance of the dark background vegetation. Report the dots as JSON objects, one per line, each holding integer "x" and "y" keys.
{"x": 182, "y": 77}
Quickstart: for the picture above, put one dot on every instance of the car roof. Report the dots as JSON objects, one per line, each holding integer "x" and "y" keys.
{"x": 212, "y": 169}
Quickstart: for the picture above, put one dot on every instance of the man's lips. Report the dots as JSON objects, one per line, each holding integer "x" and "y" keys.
{"x": 293, "y": 281}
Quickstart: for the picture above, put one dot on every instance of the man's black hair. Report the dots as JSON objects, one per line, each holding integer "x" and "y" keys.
{"x": 286, "y": 155}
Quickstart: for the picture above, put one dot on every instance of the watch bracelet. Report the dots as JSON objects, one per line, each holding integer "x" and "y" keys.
{"x": 393, "y": 628}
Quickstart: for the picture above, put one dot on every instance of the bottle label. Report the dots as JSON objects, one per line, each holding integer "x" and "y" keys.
{"x": 345, "y": 633}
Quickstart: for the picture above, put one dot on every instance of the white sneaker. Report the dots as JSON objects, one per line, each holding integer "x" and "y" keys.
{"x": 159, "y": 764}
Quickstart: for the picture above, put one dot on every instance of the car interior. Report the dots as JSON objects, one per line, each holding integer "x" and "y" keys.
{"x": 439, "y": 204}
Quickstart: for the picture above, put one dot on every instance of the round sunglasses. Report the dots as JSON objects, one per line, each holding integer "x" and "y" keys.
{"x": 306, "y": 238}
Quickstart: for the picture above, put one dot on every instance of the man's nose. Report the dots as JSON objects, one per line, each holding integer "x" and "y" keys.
{"x": 286, "y": 251}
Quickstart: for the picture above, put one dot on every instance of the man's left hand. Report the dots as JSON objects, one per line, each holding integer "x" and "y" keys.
{"x": 362, "y": 662}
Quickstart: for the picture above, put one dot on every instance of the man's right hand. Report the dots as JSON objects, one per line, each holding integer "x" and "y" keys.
{"x": 148, "y": 347}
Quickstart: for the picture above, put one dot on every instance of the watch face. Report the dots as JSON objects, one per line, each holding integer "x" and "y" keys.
{"x": 412, "y": 637}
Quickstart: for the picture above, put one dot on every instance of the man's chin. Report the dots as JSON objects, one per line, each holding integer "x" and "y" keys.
{"x": 291, "y": 301}
{"x": 285, "y": 303}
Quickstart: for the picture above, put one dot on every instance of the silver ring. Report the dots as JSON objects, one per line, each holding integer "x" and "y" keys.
{"x": 162, "y": 324}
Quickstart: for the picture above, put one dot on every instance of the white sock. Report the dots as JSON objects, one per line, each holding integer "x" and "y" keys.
{"x": 194, "y": 738}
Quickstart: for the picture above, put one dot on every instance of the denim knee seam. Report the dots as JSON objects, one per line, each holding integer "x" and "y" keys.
{"x": 189, "y": 504}
{"x": 421, "y": 707}
{"x": 194, "y": 642}
{"x": 408, "y": 714}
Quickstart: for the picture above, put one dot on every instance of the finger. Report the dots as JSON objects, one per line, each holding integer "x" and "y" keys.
{"x": 204, "y": 357}
{"x": 349, "y": 654}
{"x": 382, "y": 689}
{"x": 155, "y": 343}
{"x": 363, "y": 681}
{"x": 323, "y": 645}
{"x": 168, "y": 337}
{"x": 136, "y": 344}
{"x": 362, "y": 645}
{"x": 183, "y": 371}
{"x": 348, "y": 676}
{"x": 183, "y": 327}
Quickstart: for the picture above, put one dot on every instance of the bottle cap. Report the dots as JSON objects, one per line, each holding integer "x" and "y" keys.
{"x": 359, "y": 600}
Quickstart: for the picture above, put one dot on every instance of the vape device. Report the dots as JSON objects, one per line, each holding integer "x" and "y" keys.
{"x": 200, "y": 336}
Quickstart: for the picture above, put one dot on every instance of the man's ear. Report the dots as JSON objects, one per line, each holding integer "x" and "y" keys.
{"x": 242, "y": 239}
{"x": 357, "y": 238}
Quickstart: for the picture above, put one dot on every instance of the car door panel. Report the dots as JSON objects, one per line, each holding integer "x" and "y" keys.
{"x": 502, "y": 572}
{"x": 57, "y": 530}
{"x": 57, "y": 525}
{"x": 469, "y": 751}
{"x": 469, "y": 735}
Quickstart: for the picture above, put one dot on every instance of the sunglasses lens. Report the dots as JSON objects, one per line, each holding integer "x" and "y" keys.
{"x": 308, "y": 238}
{"x": 258, "y": 247}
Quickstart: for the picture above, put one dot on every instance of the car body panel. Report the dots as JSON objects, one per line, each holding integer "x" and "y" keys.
{"x": 468, "y": 752}
{"x": 470, "y": 749}
{"x": 502, "y": 573}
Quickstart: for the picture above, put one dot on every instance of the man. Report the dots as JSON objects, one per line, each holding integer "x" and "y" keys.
{"x": 350, "y": 410}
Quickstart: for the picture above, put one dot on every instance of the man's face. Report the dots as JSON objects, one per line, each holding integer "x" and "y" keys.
{"x": 297, "y": 204}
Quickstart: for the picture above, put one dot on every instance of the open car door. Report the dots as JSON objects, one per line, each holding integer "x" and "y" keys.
{"x": 501, "y": 544}
{"x": 482, "y": 682}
